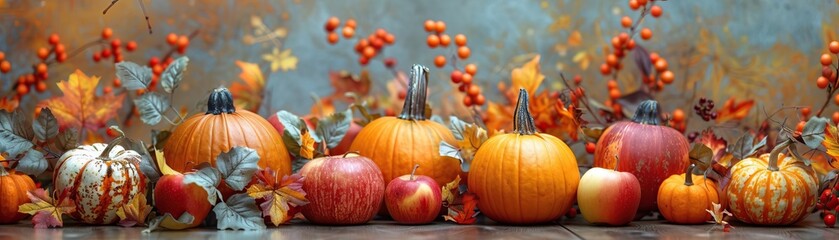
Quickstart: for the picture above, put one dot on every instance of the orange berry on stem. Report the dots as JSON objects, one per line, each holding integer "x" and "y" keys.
{"x": 467, "y": 101}
{"x": 479, "y": 100}
{"x": 390, "y": 62}
{"x": 117, "y": 82}
{"x": 440, "y": 61}
{"x": 430, "y": 25}
{"x": 463, "y": 52}
{"x": 611, "y": 84}
{"x": 457, "y": 76}
{"x": 390, "y": 39}
{"x": 433, "y": 41}
{"x": 332, "y": 23}
{"x": 43, "y": 53}
{"x": 654, "y": 57}
{"x": 377, "y": 43}
{"x": 107, "y": 90}
{"x": 2, "y": 56}
{"x": 633, "y": 4}
{"x": 41, "y": 68}
{"x": 440, "y": 26}
{"x": 646, "y": 33}
{"x": 5, "y": 66}
{"x": 350, "y": 23}
{"x": 822, "y": 82}
{"x": 614, "y": 93}
{"x": 61, "y": 57}
{"x": 626, "y": 21}
{"x": 131, "y": 46}
{"x": 616, "y": 42}
{"x": 60, "y": 48}
{"x": 460, "y": 40}
{"x": 41, "y": 86}
{"x": 836, "y": 99}
{"x": 605, "y": 69}
{"x": 642, "y": 2}
{"x": 363, "y": 60}
{"x": 369, "y": 52}
{"x": 678, "y": 115}
{"x": 332, "y": 38}
{"x": 348, "y": 32}
{"x": 667, "y": 77}
{"x": 157, "y": 69}
{"x": 826, "y": 59}
{"x": 800, "y": 126}
{"x": 116, "y": 43}
{"x": 445, "y": 40}
{"x": 462, "y": 87}
{"x": 805, "y": 111}
{"x": 381, "y": 33}
{"x": 611, "y": 60}
{"x": 183, "y": 41}
{"x": 22, "y": 89}
{"x": 153, "y": 61}
{"x": 467, "y": 78}
{"x": 655, "y": 11}
{"x": 473, "y": 90}
{"x": 590, "y": 147}
{"x": 835, "y": 117}
{"x": 623, "y": 37}
{"x": 171, "y": 38}
{"x": 834, "y": 47}
{"x": 402, "y": 94}
{"x": 107, "y": 33}
{"x": 630, "y": 44}
{"x": 471, "y": 69}
{"x": 661, "y": 65}
{"x": 53, "y": 39}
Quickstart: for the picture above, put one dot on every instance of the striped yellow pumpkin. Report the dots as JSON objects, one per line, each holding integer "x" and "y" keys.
{"x": 772, "y": 190}
{"x": 101, "y": 179}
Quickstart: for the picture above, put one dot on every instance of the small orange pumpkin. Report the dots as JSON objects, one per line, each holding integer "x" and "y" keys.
{"x": 13, "y": 188}
{"x": 683, "y": 198}
{"x": 773, "y": 189}
{"x": 396, "y": 144}
{"x": 202, "y": 137}
{"x": 524, "y": 177}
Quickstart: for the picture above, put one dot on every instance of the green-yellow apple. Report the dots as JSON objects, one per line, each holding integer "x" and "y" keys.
{"x": 413, "y": 199}
{"x": 608, "y": 197}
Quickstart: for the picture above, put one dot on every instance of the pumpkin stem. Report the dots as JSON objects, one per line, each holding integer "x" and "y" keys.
{"x": 414, "y": 107}
{"x": 647, "y": 113}
{"x": 220, "y": 101}
{"x": 773, "y": 156}
{"x": 412, "y": 178}
{"x": 522, "y": 120}
{"x": 106, "y": 153}
{"x": 689, "y": 175}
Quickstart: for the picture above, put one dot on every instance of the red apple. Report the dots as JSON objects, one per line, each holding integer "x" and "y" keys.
{"x": 342, "y": 190}
{"x": 172, "y": 196}
{"x": 343, "y": 146}
{"x": 608, "y": 197}
{"x": 413, "y": 199}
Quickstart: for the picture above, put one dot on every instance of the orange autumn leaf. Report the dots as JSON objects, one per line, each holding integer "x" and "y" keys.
{"x": 529, "y": 76}
{"x": 824, "y": 165}
{"x": 283, "y": 196}
{"x": 80, "y": 107}
{"x": 307, "y": 145}
{"x": 344, "y": 82}
{"x": 322, "y": 107}
{"x": 248, "y": 93}
{"x": 135, "y": 212}
{"x": 732, "y": 110}
{"x": 568, "y": 126}
{"x": 465, "y": 215}
{"x": 9, "y": 104}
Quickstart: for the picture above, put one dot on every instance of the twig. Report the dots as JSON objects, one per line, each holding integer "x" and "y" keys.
{"x": 832, "y": 92}
{"x": 585, "y": 99}
{"x": 142, "y": 7}
{"x": 109, "y": 6}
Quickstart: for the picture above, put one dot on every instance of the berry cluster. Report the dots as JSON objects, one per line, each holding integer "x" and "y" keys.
{"x": 115, "y": 48}
{"x": 705, "y": 109}
{"x": 438, "y": 38}
{"x": 367, "y": 48}
{"x": 829, "y": 205}
{"x": 614, "y": 94}
{"x": 179, "y": 44}
{"x": 464, "y": 79}
{"x": 805, "y": 114}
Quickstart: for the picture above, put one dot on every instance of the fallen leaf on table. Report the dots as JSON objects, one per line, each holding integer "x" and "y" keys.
{"x": 719, "y": 216}
{"x": 451, "y": 190}
{"x": 466, "y": 215}
{"x": 135, "y": 212}
{"x": 47, "y": 211}
{"x": 280, "y": 195}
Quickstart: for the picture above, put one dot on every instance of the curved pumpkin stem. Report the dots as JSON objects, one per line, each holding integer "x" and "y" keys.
{"x": 522, "y": 120}
{"x": 106, "y": 154}
{"x": 414, "y": 107}
{"x": 414, "y": 171}
{"x": 773, "y": 156}
{"x": 220, "y": 101}
{"x": 689, "y": 175}
{"x": 647, "y": 113}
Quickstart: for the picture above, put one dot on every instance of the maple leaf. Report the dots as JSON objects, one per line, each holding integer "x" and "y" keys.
{"x": 450, "y": 190}
{"x": 80, "y": 107}
{"x": 248, "y": 93}
{"x": 280, "y": 195}
{"x": 466, "y": 214}
{"x": 284, "y": 60}
{"x": 47, "y": 210}
{"x": 732, "y": 110}
{"x": 716, "y": 144}
{"x": 529, "y": 76}
{"x": 568, "y": 125}
{"x": 307, "y": 145}
{"x": 473, "y": 137}
{"x": 135, "y": 212}
{"x": 719, "y": 215}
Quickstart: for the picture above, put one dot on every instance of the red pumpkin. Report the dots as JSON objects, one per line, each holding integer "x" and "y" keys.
{"x": 13, "y": 188}
{"x": 649, "y": 151}
{"x": 342, "y": 190}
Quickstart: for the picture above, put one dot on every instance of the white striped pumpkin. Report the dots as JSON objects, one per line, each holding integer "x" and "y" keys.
{"x": 99, "y": 183}
{"x": 772, "y": 189}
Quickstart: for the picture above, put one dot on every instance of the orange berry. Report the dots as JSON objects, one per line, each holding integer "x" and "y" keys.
{"x": 654, "y": 57}
{"x": 462, "y": 87}
{"x": 116, "y": 43}
{"x": 390, "y": 62}
{"x": 53, "y": 39}
{"x": 117, "y": 82}
{"x": 463, "y": 52}
{"x": 805, "y": 111}
{"x": 655, "y": 11}
{"x": 661, "y": 65}
{"x": 473, "y": 90}
{"x": 332, "y": 38}
{"x": 578, "y": 79}
{"x": 611, "y": 84}
{"x": 667, "y": 77}
{"x": 381, "y": 33}
{"x": 633, "y": 4}
{"x": 623, "y": 37}
{"x": 467, "y": 101}
{"x": 369, "y": 52}
{"x": 130, "y": 46}
{"x": 646, "y": 33}
{"x": 471, "y": 69}
{"x": 440, "y": 61}
{"x": 467, "y": 78}
{"x": 642, "y": 2}
{"x": 157, "y": 69}
{"x": 363, "y": 60}
{"x": 402, "y": 94}
{"x": 377, "y": 43}
{"x": 821, "y": 82}
{"x": 834, "y": 47}
{"x": 445, "y": 40}
{"x": 630, "y": 44}
{"x": 678, "y": 115}
{"x": 430, "y": 25}
{"x": 460, "y": 40}
{"x": 626, "y": 21}
{"x": 30, "y": 78}
{"x": 350, "y": 23}
{"x": 22, "y": 89}
{"x": 605, "y": 69}
{"x": 183, "y": 41}
{"x": 836, "y": 99}
{"x": 457, "y": 76}
{"x": 172, "y": 38}
{"x": 41, "y": 68}
{"x": 41, "y": 86}
{"x": 611, "y": 60}
{"x": 433, "y": 41}
{"x": 332, "y": 23}
{"x": 107, "y": 33}
{"x": 440, "y": 26}
{"x": 826, "y": 59}
{"x": 2, "y": 56}
{"x": 614, "y": 93}
{"x": 616, "y": 42}
{"x": 835, "y": 117}
{"x": 390, "y": 39}
{"x": 5, "y": 66}
{"x": 348, "y": 32}
{"x": 590, "y": 146}
{"x": 800, "y": 126}
{"x": 43, "y": 53}
{"x": 479, "y": 100}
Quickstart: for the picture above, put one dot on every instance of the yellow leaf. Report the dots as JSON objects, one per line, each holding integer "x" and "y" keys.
{"x": 161, "y": 164}
{"x": 307, "y": 145}
{"x": 529, "y": 76}
{"x": 831, "y": 141}
{"x": 135, "y": 212}
{"x": 80, "y": 107}
{"x": 473, "y": 137}
{"x": 284, "y": 60}
{"x": 450, "y": 190}
{"x": 248, "y": 96}
{"x": 575, "y": 38}
{"x": 583, "y": 59}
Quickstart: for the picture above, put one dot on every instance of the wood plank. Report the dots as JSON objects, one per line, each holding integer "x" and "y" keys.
{"x": 810, "y": 228}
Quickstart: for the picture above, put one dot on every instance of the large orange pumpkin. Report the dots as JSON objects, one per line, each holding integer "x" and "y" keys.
{"x": 13, "y": 188}
{"x": 524, "y": 177}
{"x": 684, "y": 198}
{"x": 649, "y": 151}
{"x": 396, "y": 144}
{"x": 773, "y": 189}
{"x": 202, "y": 137}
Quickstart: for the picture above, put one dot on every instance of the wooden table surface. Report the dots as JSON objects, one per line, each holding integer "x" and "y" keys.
{"x": 811, "y": 228}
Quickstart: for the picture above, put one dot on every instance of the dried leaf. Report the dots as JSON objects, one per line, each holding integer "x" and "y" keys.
{"x": 831, "y": 141}
{"x": 46, "y": 126}
{"x": 238, "y": 213}
{"x": 237, "y": 166}
{"x": 248, "y": 93}
{"x": 529, "y": 76}
{"x": 732, "y": 110}
{"x": 80, "y": 107}
{"x": 135, "y": 212}
{"x": 701, "y": 156}
{"x": 449, "y": 151}
{"x": 719, "y": 216}
{"x": 813, "y": 132}
{"x": 284, "y": 60}
{"x": 47, "y": 211}
{"x": 21, "y": 125}
{"x": 466, "y": 215}
{"x": 151, "y": 107}
{"x": 133, "y": 76}
{"x": 167, "y": 221}
{"x": 593, "y": 134}
{"x": 280, "y": 195}
{"x": 174, "y": 74}
{"x": 716, "y": 144}
{"x": 450, "y": 191}
{"x": 293, "y": 128}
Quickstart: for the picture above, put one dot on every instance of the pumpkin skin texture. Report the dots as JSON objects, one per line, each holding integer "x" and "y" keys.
{"x": 99, "y": 183}
{"x": 524, "y": 177}
{"x": 650, "y": 152}
{"x": 684, "y": 198}
{"x": 396, "y": 144}
{"x": 202, "y": 137}
{"x": 13, "y": 188}
{"x": 760, "y": 194}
